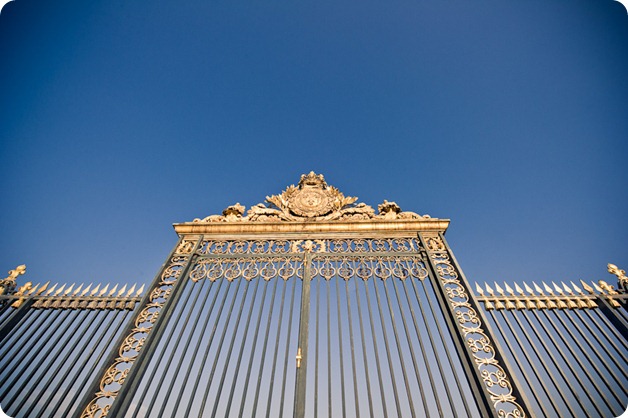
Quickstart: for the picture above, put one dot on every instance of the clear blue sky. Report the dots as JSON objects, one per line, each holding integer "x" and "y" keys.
{"x": 119, "y": 118}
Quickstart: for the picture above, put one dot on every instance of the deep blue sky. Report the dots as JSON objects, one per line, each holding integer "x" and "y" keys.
{"x": 119, "y": 118}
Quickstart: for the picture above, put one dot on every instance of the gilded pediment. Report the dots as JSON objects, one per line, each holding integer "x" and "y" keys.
{"x": 312, "y": 199}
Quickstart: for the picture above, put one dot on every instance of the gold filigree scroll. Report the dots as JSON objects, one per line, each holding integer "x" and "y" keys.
{"x": 311, "y": 199}
{"x": 622, "y": 279}
{"x": 116, "y": 374}
{"x": 496, "y": 381}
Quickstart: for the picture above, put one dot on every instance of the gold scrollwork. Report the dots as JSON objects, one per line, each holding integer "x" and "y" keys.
{"x": 111, "y": 382}
{"x": 496, "y": 381}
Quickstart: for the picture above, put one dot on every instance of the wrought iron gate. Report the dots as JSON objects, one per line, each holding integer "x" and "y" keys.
{"x": 313, "y": 306}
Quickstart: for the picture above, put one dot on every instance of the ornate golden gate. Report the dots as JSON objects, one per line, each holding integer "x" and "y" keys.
{"x": 313, "y": 305}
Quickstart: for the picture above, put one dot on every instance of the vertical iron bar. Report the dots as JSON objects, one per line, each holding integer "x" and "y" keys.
{"x": 218, "y": 349}
{"x": 285, "y": 364}
{"x": 537, "y": 351}
{"x": 316, "y": 354}
{"x": 353, "y": 368}
{"x": 54, "y": 374}
{"x": 376, "y": 350}
{"x": 340, "y": 352}
{"x": 603, "y": 345}
{"x": 592, "y": 314}
{"x": 390, "y": 365}
{"x": 89, "y": 374}
{"x": 242, "y": 344}
{"x": 171, "y": 352}
{"x": 40, "y": 343}
{"x": 231, "y": 344}
{"x": 329, "y": 403}
{"x": 529, "y": 360}
{"x": 566, "y": 361}
{"x": 208, "y": 315}
{"x": 253, "y": 346}
{"x": 575, "y": 356}
{"x": 598, "y": 355}
{"x": 398, "y": 343}
{"x": 205, "y": 355}
{"x": 30, "y": 339}
{"x": 266, "y": 334}
{"x": 31, "y": 319}
{"x": 60, "y": 341}
{"x": 410, "y": 345}
{"x": 273, "y": 370}
{"x": 364, "y": 358}
{"x": 15, "y": 317}
{"x": 424, "y": 352}
{"x": 301, "y": 372}
{"x": 610, "y": 312}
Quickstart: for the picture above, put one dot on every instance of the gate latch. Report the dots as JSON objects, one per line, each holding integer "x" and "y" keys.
{"x": 299, "y": 357}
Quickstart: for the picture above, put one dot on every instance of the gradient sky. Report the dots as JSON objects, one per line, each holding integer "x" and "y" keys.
{"x": 119, "y": 118}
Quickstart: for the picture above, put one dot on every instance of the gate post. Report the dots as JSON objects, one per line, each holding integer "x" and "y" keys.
{"x": 493, "y": 385}
{"x": 128, "y": 358}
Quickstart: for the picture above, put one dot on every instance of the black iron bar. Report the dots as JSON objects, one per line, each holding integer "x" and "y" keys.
{"x": 524, "y": 370}
{"x": 218, "y": 349}
{"x": 398, "y": 343}
{"x": 90, "y": 374}
{"x": 285, "y": 364}
{"x": 390, "y": 365}
{"x": 35, "y": 350}
{"x": 205, "y": 355}
{"x": 364, "y": 358}
{"x": 353, "y": 368}
{"x": 273, "y": 369}
{"x": 15, "y": 318}
{"x": 603, "y": 345}
{"x": 568, "y": 382}
{"x": 171, "y": 351}
{"x": 50, "y": 349}
{"x": 253, "y": 347}
{"x": 537, "y": 350}
{"x": 410, "y": 345}
{"x": 329, "y": 403}
{"x": 575, "y": 356}
{"x": 316, "y": 348}
{"x": 157, "y": 359}
{"x": 242, "y": 345}
{"x": 598, "y": 354}
{"x": 376, "y": 350}
{"x": 435, "y": 350}
{"x": 528, "y": 357}
{"x": 303, "y": 340}
{"x": 607, "y": 325}
{"x": 265, "y": 346}
{"x": 26, "y": 340}
{"x": 340, "y": 352}
{"x": 89, "y": 338}
{"x": 424, "y": 351}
